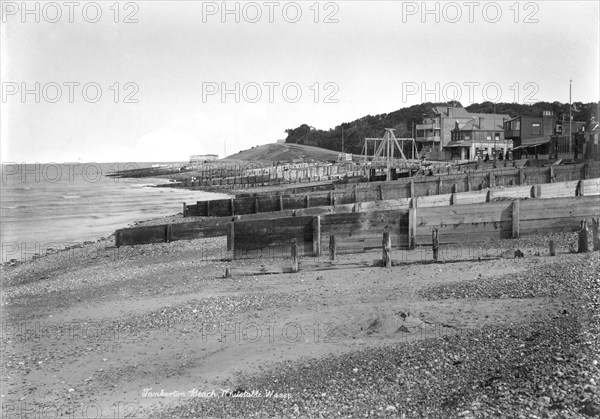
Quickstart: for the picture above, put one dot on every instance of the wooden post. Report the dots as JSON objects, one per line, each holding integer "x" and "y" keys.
{"x": 230, "y": 236}
{"x": 381, "y": 191}
{"x": 331, "y": 198}
{"x": 454, "y": 188}
{"x": 435, "y": 244}
{"x": 489, "y": 196}
{"x": 552, "y": 175}
{"x": 184, "y": 209}
{"x": 317, "y": 236}
{"x": 596, "y": 233}
{"x": 227, "y": 273}
{"x": 491, "y": 179}
{"x": 168, "y": 234}
{"x": 332, "y": 248}
{"x": 521, "y": 177}
{"x": 412, "y": 188}
{"x": 583, "y": 238}
{"x": 231, "y": 205}
{"x": 579, "y": 190}
{"x": 551, "y": 248}
{"x": 468, "y": 183}
{"x": 454, "y": 199}
{"x": 356, "y": 192}
{"x": 280, "y": 202}
{"x": 387, "y": 250}
{"x": 515, "y": 218}
{"x": 294, "y": 256}
{"x": 412, "y": 228}
{"x": 306, "y": 200}
{"x": 439, "y": 186}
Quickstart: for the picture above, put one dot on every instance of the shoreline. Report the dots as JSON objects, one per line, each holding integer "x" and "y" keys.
{"x": 153, "y": 304}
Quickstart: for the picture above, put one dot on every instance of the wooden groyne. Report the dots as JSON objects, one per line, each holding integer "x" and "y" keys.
{"x": 334, "y": 195}
{"x": 409, "y": 228}
{"x": 221, "y": 226}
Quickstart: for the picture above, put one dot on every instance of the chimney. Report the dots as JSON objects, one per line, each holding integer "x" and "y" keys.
{"x": 480, "y": 121}
{"x": 449, "y": 112}
{"x": 548, "y": 122}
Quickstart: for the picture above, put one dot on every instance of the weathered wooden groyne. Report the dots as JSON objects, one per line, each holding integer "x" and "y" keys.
{"x": 369, "y": 212}
{"x": 334, "y": 195}
{"x": 408, "y": 228}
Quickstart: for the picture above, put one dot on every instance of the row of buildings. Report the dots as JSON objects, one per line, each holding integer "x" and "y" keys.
{"x": 453, "y": 133}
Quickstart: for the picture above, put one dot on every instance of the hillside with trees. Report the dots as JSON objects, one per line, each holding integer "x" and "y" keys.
{"x": 403, "y": 119}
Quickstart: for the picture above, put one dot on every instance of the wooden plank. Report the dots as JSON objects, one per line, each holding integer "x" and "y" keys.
{"x": 592, "y": 186}
{"x": 558, "y": 190}
{"x": 532, "y": 206}
{"x": 331, "y": 265}
{"x": 168, "y": 233}
{"x": 435, "y": 200}
{"x": 560, "y": 210}
{"x": 332, "y": 247}
{"x": 467, "y": 233}
{"x": 230, "y": 236}
{"x": 435, "y": 243}
{"x": 196, "y": 230}
{"x": 317, "y": 236}
{"x": 515, "y": 219}
{"x": 294, "y": 253}
{"x": 513, "y": 192}
{"x": 263, "y": 270}
{"x": 467, "y": 198}
{"x": 142, "y": 235}
{"x": 387, "y": 250}
{"x": 474, "y": 213}
{"x": 412, "y": 228}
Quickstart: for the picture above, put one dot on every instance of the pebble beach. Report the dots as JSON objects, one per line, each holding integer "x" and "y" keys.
{"x": 156, "y": 331}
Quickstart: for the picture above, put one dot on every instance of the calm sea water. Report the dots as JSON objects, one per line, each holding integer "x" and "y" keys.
{"x": 70, "y": 203}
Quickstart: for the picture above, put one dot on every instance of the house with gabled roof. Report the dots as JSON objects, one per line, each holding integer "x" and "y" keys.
{"x": 435, "y": 131}
{"x": 482, "y": 135}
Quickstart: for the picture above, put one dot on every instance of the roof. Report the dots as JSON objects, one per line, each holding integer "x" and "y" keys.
{"x": 460, "y": 143}
{"x": 457, "y": 112}
{"x": 488, "y": 121}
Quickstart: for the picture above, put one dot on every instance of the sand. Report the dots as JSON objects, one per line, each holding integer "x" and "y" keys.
{"x": 141, "y": 330}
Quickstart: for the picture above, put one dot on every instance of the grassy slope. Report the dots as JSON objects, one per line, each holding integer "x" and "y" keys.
{"x": 284, "y": 152}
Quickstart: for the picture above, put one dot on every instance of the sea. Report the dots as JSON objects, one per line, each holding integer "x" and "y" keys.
{"x": 56, "y": 205}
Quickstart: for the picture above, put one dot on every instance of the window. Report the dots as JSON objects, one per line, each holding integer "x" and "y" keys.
{"x": 517, "y": 125}
{"x": 536, "y": 128}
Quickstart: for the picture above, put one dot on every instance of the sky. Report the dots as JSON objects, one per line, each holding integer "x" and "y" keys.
{"x": 162, "y": 80}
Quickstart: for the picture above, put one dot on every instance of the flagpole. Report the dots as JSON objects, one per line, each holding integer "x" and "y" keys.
{"x": 570, "y": 119}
